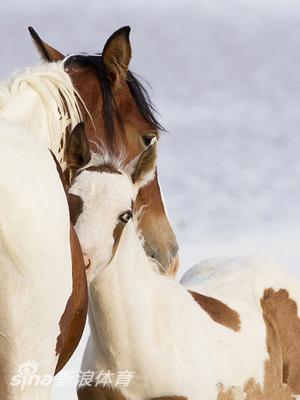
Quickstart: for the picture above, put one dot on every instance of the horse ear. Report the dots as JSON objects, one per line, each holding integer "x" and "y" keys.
{"x": 77, "y": 151}
{"x": 47, "y": 52}
{"x": 143, "y": 169}
{"x": 117, "y": 54}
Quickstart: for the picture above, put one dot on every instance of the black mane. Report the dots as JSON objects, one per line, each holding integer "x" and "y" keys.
{"x": 110, "y": 109}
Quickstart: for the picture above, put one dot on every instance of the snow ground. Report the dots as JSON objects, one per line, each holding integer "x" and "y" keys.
{"x": 226, "y": 80}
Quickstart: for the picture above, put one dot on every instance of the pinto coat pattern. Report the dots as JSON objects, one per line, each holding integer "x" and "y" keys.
{"x": 147, "y": 323}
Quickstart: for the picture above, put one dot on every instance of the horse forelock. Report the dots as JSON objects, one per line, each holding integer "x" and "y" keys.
{"x": 57, "y": 93}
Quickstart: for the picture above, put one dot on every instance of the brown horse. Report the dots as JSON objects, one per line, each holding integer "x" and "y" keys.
{"x": 122, "y": 116}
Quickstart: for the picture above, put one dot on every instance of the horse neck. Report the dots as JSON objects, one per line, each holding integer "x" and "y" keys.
{"x": 121, "y": 299}
{"x": 27, "y": 109}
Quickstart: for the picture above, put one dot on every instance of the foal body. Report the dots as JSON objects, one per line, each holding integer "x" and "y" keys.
{"x": 147, "y": 323}
{"x": 143, "y": 322}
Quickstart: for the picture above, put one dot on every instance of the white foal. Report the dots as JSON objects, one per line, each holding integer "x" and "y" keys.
{"x": 38, "y": 250}
{"x": 176, "y": 342}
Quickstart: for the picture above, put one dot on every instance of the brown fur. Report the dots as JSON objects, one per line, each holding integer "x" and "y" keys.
{"x": 107, "y": 393}
{"x": 174, "y": 266}
{"x": 74, "y": 317}
{"x": 218, "y": 311}
{"x": 73, "y": 320}
{"x": 282, "y": 369}
{"x": 77, "y": 151}
{"x": 145, "y": 164}
{"x": 47, "y": 52}
{"x": 253, "y": 391}
{"x": 160, "y": 241}
{"x": 170, "y": 398}
{"x": 117, "y": 55}
{"x": 104, "y": 168}
{"x": 98, "y": 393}
{"x": 280, "y": 313}
{"x": 75, "y": 206}
{"x": 117, "y": 236}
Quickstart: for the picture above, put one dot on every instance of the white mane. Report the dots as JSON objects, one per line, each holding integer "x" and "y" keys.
{"x": 56, "y": 92}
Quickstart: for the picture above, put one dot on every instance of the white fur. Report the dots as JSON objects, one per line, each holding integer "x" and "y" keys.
{"x": 43, "y": 100}
{"x": 35, "y": 258}
{"x": 36, "y": 107}
{"x": 144, "y": 322}
{"x": 103, "y": 201}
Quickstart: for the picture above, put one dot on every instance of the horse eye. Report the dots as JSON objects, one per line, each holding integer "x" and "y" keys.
{"x": 125, "y": 217}
{"x": 147, "y": 139}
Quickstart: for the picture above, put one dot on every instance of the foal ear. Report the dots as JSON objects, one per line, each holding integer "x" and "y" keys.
{"x": 144, "y": 167}
{"x": 116, "y": 55}
{"x": 77, "y": 150}
{"x": 47, "y": 52}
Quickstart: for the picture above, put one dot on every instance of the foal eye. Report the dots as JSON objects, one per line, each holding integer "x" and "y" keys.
{"x": 125, "y": 217}
{"x": 147, "y": 139}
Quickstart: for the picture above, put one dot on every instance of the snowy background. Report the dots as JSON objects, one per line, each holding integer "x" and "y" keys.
{"x": 226, "y": 80}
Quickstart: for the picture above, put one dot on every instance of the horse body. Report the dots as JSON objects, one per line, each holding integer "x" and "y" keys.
{"x": 35, "y": 260}
{"x": 43, "y": 285}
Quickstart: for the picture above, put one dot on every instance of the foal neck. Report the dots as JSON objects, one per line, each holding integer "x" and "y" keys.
{"x": 120, "y": 304}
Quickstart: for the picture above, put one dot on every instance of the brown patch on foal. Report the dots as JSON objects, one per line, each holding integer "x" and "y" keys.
{"x": 75, "y": 207}
{"x": 253, "y": 391}
{"x": 280, "y": 313}
{"x": 218, "y": 311}
{"x": 117, "y": 233}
